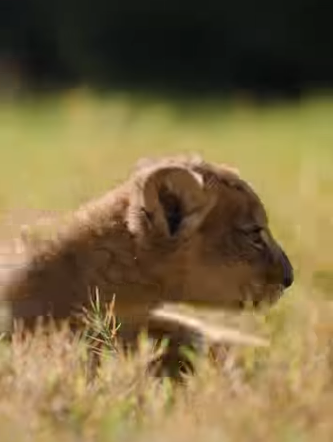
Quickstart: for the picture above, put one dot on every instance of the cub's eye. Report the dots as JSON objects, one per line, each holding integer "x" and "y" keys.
{"x": 254, "y": 236}
{"x": 252, "y": 230}
{"x": 256, "y": 230}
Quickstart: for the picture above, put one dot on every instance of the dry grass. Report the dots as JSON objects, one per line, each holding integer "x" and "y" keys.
{"x": 59, "y": 153}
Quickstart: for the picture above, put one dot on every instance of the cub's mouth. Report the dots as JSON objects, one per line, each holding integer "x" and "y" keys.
{"x": 259, "y": 296}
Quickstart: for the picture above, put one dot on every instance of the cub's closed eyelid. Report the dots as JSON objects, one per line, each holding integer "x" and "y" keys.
{"x": 256, "y": 229}
{"x": 251, "y": 229}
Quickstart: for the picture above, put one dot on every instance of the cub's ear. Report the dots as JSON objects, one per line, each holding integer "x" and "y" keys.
{"x": 169, "y": 199}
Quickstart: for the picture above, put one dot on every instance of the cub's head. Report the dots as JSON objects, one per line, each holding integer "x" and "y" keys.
{"x": 202, "y": 234}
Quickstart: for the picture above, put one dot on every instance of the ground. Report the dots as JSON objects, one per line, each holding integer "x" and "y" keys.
{"x": 59, "y": 152}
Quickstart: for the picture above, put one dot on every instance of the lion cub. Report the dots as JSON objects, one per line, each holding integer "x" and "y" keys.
{"x": 178, "y": 230}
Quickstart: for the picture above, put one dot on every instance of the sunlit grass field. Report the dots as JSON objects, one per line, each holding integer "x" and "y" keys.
{"x": 59, "y": 152}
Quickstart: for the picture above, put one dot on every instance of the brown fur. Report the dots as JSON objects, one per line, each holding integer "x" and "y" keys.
{"x": 179, "y": 230}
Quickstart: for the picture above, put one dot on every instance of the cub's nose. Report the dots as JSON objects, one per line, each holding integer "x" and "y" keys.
{"x": 288, "y": 271}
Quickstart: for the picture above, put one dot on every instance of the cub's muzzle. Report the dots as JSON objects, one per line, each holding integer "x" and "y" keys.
{"x": 287, "y": 270}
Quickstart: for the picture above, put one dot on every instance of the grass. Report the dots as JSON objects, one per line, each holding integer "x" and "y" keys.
{"x": 59, "y": 152}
